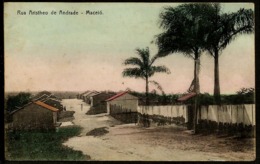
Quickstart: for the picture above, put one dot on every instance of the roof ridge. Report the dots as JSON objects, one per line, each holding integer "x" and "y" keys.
{"x": 117, "y": 95}
{"x": 46, "y": 106}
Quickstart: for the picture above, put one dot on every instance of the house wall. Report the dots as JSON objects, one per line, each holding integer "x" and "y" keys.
{"x": 97, "y": 109}
{"x": 123, "y": 103}
{"x": 95, "y": 100}
{"x": 33, "y": 117}
{"x": 64, "y": 116}
{"x": 88, "y": 97}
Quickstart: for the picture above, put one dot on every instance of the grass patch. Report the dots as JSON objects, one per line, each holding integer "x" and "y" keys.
{"x": 38, "y": 145}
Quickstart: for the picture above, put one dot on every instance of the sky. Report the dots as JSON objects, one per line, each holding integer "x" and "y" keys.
{"x": 86, "y": 52}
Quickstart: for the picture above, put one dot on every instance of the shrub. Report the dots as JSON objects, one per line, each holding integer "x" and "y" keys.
{"x": 43, "y": 145}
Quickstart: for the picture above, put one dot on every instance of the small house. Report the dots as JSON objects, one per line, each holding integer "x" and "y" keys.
{"x": 80, "y": 96}
{"x": 86, "y": 97}
{"x": 100, "y": 97}
{"x": 49, "y": 99}
{"x": 98, "y": 103}
{"x": 122, "y": 102}
{"x": 35, "y": 115}
{"x": 54, "y": 103}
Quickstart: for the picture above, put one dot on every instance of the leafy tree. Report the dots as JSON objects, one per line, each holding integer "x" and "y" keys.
{"x": 143, "y": 68}
{"x": 17, "y": 101}
{"x": 245, "y": 91}
{"x": 223, "y": 28}
{"x": 247, "y": 95}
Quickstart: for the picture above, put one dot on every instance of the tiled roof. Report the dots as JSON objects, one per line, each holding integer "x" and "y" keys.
{"x": 53, "y": 103}
{"x": 46, "y": 106}
{"x": 117, "y": 95}
{"x": 187, "y": 96}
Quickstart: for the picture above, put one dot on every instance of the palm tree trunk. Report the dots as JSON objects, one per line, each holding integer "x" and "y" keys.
{"x": 196, "y": 89}
{"x": 146, "y": 91}
{"x": 196, "y": 75}
{"x": 216, "y": 78}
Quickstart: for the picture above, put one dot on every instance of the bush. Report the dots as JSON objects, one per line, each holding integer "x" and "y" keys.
{"x": 40, "y": 145}
{"x": 17, "y": 101}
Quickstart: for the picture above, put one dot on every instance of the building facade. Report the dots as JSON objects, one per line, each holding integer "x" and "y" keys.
{"x": 35, "y": 115}
{"x": 122, "y": 102}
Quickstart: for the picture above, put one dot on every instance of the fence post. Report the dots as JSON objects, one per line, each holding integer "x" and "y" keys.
{"x": 200, "y": 112}
{"x": 252, "y": 115}
{"x": 243, "y": 115}
{"x": 208, "y": 114}
{"x": 231, "y": 115}
{"x": 237, "y": 114}
{"x": 218, "y": 115}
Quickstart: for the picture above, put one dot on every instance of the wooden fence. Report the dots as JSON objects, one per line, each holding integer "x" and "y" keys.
{"x": 123, "y": 114}
{"x": 162, "y": 115}
{"x": 227, "y": 118}
{"x": 223, "y": 118}
{"x": 234, "y": 114}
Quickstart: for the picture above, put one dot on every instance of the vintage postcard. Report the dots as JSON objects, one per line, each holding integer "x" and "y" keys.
{"x": 129, "y": 81}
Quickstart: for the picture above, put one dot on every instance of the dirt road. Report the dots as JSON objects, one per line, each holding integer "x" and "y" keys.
{"x": 167, "y": 143}
{"x": 88, "y": 122}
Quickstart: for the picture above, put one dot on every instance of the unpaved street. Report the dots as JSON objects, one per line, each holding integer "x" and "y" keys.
{"x": 167, "y": 143}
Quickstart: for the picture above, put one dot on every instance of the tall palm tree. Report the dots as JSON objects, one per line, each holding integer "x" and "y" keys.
{"x": 185, "y": 27}
{"x": 222, "y": 30}
{"x": 143, "y": 68}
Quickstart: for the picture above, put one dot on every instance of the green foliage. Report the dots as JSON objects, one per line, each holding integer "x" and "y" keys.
{"x": 184, "y": 29}
{"x": 17, "y": 101}
{"x": 192, "y": 28}
{"x": 156, "y": 99}
{"x": 143, "y": 66}
{"x": 244, "y": 96}
{"x": 246, "y": 91}
{"x": 223, "y": 28}
{"x": 38, "y": 145}
{"x": 206, "y": 99}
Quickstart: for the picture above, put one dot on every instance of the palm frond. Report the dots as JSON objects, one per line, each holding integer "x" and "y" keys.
{"x": 227, "y": 27}
{"x": 133, "y": 61}
{"x": 156, "y": 69}
{"x": 241, "y": 22}
{"x": 144, "y": 54}
{"x": 159, "y": 87}
{"x": 177, "y": 37}
{"x": 133, "y": 72}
